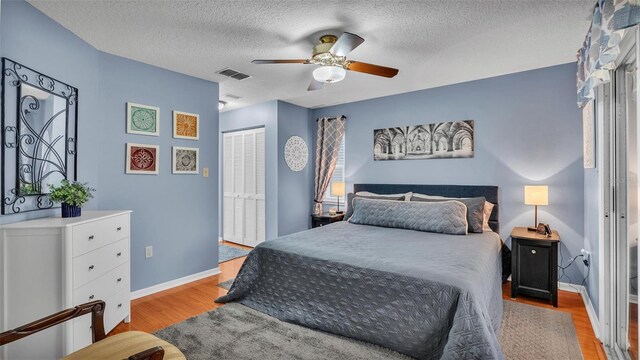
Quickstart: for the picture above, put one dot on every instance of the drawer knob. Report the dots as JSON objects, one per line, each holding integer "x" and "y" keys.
{"x": 119, "y": 279}
{"x": 119, "y": 305}
{"x": 534, "y": 252}
{"x": 91, "y": 297}
{"x": 91, "y": 267}
{"x": 119, "y": 228}
{"x": 119, "y": 254}
{"x": 91, "y": 237}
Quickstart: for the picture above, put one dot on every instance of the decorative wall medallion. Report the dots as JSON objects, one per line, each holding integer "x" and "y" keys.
{"x": 453, "y": 139}
{"x": 143, "y": 119}
{"x": 142, "y": 159}
{"x": 185, "y": 160}
{"x": 296, "y": 153}
{"x": 186, "y": 125}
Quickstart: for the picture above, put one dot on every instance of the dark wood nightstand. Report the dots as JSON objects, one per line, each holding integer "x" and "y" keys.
{"x": 534, "y": 264}
{"x": 318, "y": 220}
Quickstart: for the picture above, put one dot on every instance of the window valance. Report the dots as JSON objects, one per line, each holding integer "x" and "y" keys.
{"x": 600, "y": 48}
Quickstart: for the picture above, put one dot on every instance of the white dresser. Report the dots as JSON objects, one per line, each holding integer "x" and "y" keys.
{"x": 51, "y": 264}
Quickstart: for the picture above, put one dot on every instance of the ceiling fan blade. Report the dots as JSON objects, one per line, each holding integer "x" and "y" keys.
{"x": 345, "y": 44}
{"x": 315, "y": 85}
{"x": 300, "y": 61}
{"x": 372, "y": 69}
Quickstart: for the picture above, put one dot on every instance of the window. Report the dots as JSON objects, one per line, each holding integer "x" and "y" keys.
{"x": 338, "y": 175}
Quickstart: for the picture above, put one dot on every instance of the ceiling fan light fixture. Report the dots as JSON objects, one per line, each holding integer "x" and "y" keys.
{"x": 329, "y": 74}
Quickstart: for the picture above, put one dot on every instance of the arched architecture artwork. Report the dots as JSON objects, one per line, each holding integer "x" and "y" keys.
{"x": 452, "y": 139}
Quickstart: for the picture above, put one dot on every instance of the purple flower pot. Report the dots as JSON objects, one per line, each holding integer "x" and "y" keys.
{"x": 70, "y": 210}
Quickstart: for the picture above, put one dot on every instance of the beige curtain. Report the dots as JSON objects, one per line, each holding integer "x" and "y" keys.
{"x": 328, "y": 139}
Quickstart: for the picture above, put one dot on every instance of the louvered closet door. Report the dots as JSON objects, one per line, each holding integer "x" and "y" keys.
{"x": 227, "y": 183}
{"x": 244, "y": 183}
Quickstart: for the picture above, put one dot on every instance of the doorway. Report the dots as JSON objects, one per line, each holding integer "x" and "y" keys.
{"x": 620, "y": 145}
{"x": 243, "y": 186}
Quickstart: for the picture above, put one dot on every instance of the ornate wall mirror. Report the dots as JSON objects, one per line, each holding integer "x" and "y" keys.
{"x": 39, "y": 133}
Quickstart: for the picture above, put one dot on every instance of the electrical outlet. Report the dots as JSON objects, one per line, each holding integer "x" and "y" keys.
{"x": 205, "y": 172}
{"x": 586, "y": 257}
{"x": 148, "y": 252}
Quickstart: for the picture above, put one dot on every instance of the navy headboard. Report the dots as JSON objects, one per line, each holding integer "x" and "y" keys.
{"x": 490, "y": 193}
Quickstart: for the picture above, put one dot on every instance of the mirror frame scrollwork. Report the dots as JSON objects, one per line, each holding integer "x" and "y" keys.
{"x": 14, "y": 75}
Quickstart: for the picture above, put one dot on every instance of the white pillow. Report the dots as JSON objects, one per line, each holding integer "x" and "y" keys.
{"x": 407, "y": 196}
{"x": 488, "y": 208}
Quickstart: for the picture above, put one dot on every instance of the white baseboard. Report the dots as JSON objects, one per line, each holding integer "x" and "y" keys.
{"x": 593, "y": 316}
{"x": 173, "y": 283}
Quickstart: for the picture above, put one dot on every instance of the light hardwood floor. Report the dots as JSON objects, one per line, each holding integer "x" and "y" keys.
{"x": 157, "y": 311}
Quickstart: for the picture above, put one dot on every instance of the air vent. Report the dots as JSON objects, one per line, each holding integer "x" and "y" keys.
{"x": 233, "y": 74}
{"x": 234, "y": 97}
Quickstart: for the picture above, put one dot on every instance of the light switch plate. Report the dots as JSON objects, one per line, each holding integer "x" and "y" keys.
{"x": 148, "y": 252}
{"x": 205, "y": 172}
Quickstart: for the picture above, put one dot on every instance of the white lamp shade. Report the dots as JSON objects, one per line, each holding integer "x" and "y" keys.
{"x": 536, "y": 195}
{"x": 329, "y": 74}
{"x": 337, "y": 188}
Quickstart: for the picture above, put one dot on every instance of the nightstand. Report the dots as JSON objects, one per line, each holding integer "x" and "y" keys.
{"x": 534, "y": 264}
{"x": 318, "y": 220}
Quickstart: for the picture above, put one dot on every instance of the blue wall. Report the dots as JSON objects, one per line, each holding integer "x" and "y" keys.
{"x": 179, "y": 224}
{"x": 288, "y": 193}
{"x": 174, "y": 213}
{"x": 46, "y": 46}
{"x": 295, "y": 189}
{"x": 527, "y": 131}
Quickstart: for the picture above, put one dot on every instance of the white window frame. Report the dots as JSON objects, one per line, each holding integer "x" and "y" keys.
{"x": 340, "y": 165}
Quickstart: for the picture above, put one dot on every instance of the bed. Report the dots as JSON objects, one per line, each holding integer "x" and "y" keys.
{"x": 426, "y": 295}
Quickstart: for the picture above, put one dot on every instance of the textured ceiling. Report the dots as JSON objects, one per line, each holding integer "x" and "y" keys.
{"x": 433, "y": 43}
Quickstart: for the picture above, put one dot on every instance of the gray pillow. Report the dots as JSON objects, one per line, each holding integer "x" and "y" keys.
{"x": 475, "y": 210}
{"x": 351, "y": 196}
{"x": 446, "y": 217}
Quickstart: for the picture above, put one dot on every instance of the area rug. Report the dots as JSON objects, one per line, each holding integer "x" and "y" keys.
{"x": 234, "y": 331}
{"x": 226, "y": 253}
{"x": 531, "y": 332}
{"x": 226, "y": 284}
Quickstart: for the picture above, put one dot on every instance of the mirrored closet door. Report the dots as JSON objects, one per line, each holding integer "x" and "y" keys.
{"x": 621, "y": 207}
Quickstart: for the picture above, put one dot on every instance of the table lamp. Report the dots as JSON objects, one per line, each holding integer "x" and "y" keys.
{"x": 536, "y": 195}
{"x": 337, "y": 189}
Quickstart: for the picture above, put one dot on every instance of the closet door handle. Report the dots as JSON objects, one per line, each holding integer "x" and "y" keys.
{"x": 119, "y": 228}
{"x": 119, "y": 279}
{"x": 91, "y": 237}
{"x": 119, "y": 305}
{"x": 91, "y": 267}
{"x": 119, "y": 254}
{"x": 91, "y": 297}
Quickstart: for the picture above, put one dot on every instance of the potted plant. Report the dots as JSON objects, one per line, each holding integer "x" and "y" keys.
{"x": 71, "y": 194}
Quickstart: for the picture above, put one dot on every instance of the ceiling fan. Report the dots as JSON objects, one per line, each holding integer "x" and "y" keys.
{"x": 331, "y": 55}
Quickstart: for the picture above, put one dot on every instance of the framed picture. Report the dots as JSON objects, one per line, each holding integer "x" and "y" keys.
{"x": 142, "y": 159}
{"x": 185, "y": 160}
{"x": 445, "y": 140}
{"x": 143, "y": 119}
{"x": 186, "y": 125}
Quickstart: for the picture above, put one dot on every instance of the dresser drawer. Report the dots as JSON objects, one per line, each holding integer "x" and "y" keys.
{"x": 103, "y": 287}
{"x": 82, "y": 332}
{"x": 90, "y": 236}
{"x": 92, "y": 265}
{"x": 116, "y": 310}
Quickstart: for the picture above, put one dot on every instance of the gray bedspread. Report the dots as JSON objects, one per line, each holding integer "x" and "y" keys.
{"x": 426, "y": 295}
